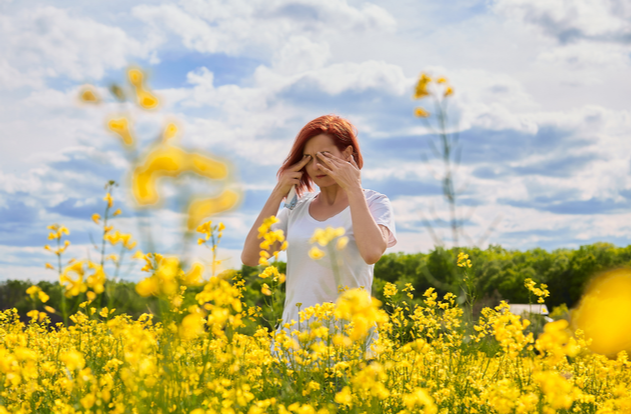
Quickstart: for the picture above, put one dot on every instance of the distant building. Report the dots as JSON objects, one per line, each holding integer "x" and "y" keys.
{"x": 524, "y": 309}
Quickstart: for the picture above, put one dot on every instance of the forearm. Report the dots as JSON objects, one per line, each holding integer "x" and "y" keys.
{"x": 250, "y": 252}
{"x": 368, "y": 235}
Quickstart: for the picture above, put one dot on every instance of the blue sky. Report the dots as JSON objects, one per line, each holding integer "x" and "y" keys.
{"x": 541, "y": 104}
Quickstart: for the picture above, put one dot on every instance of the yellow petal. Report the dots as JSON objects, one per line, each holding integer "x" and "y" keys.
{"x": 421, "y": 88}
{"x": 421, "y": 113}
{"x": 88, "y": 94}
{"x": 342, "y": 243}
{"x": 201, "y": 209}
{"x": 135, "y": 77}
{"x": 121, "y": 127}
{"x": 146, "y": 99}
{"x": 171, "y": 130}
{"x": 315, "y": 253}
{"x": 207, "y": 167}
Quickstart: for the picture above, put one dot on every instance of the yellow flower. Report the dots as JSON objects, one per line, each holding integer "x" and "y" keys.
{"x": 194, "y": 276}
{"x": 358, "y": 307}
{"x": 265, "y": 226}
{"x": 323, "y": 237}
{"x": 170, "y": 161}
{"x": 73, "y": 359}
{"x": 192, "y": 326}
{"x": 121, "y": 127}
{"x": 270, "y": 271}
{"x": 344, "y": 397}
{"x": 558, "y": 391}
{"x": 421, "y": 113}
{"x": 463, "y": 260}
{"x": 421, "y": 89}
{"x": 108, "y": 198}
{"x": 43, "y": 296}
{"x": 135, "y": 77}
{"x": 96, "y": 218}
{"x": 88, "y": 94}
{"x": 170, "y": 131}
{"x": 442, "y": 80}
{"x": 73, "y": 286}
{"x": 146, "y": 99}
{"x": 342, "y": 242}
{"x": 418, "y": 398}
{"x": 49, "y": 309}
{"x": 390, "y": 290}
{"x": 148, "y": 287}
{"x": 448, "y": 91}
{"x": 117, "y": 212}
{"x": 50, "y": 266}
{"x": 88, "y": 401}
{"x": 265, "y": 289}
{"x": 316, "y": 254}
{"x": 604, "y": 313}
{"x": 33, "y": 290}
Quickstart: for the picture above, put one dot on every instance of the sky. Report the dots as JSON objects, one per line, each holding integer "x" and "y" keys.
{"x": 541, "y": 106}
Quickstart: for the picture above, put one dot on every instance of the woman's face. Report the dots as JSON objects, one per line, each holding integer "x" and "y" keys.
{"x": 322, "y": 143}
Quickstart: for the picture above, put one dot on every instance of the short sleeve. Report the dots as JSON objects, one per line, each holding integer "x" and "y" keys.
{"x": 282, "y": 215}
{"x": 382, "y": 212}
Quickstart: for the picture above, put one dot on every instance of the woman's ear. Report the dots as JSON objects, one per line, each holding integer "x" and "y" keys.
{"x": 349, "y": 152}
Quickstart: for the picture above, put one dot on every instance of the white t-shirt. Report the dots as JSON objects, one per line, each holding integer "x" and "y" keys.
{"x": 310, "y": 281}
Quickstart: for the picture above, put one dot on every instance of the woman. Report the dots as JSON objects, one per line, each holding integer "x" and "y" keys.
{"x": 325, "y": 153}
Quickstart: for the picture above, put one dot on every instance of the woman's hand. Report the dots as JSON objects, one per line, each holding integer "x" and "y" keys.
{"x": 345, "y": 173}
{"x": 291, "y": 176}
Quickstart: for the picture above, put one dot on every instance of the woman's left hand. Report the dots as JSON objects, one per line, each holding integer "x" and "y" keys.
{"x": 345, "y": 173}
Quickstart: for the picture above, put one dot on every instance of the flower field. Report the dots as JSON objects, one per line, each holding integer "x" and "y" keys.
{"x": 199, "y": 359}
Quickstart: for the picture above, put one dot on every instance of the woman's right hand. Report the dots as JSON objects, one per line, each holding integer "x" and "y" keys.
{"x": 291, "y": 176}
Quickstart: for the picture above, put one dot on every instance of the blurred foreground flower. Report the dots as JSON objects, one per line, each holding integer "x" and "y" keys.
{"x": 121, "y": 127}
{"x": 167, "y": 160}
{"x": 146, "y": 99}
{"x": 604, "y": 313}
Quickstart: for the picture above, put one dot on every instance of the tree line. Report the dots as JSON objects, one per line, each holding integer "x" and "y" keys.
{"x": 498, "y": 274}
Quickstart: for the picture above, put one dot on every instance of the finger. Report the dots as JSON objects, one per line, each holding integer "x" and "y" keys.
{"x": 323, "y": 157}
{"x": 301, "y": 163}
{"x": 325, "y": 168}
{"x": 352, "y": 162}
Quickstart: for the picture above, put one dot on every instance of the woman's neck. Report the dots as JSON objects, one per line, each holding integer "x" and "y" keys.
{"x": 331, "y": 195}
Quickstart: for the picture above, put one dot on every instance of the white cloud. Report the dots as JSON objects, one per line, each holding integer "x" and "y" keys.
{"x": 300, "y": 55}
{"x": 588, "y": 54}
{"x": 571, "y": 20}
{"x": 49, "y": 42}
{"x": 259, "y": 28}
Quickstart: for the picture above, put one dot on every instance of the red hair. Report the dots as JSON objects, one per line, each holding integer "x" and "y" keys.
{"x": 341, "y": 131}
